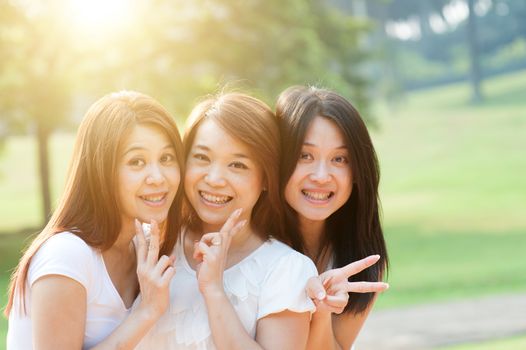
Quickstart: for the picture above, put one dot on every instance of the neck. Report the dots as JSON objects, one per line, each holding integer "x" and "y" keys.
{"x": 125, "y": 237}
{"x": 312, "y": 232}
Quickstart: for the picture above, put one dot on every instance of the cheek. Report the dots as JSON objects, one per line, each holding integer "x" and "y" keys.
{"x": 190, "y": 176}
{"x": 292, "y": 191}
{"x": 345, "y": 181}
{"x": 174, "y": 176}
{"x": 128, "y": 181}
{"x": 294, "y": 183}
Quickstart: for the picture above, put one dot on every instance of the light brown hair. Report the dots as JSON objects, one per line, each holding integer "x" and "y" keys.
{"x": 89, "y": 206}
{"x": 253, "y": 123}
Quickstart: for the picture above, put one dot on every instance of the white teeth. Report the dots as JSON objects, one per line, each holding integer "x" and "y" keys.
{"x": 154, "y": 199}
{"x": 214, "y": 199}
{"x": 319, "y": 196}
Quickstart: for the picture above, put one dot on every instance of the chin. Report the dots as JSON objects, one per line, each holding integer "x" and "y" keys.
{"x": 161, "y": 217}
{"x": 316, "y": 216}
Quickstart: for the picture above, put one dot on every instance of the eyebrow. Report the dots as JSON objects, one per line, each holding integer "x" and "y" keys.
{"x": 207, "y": 149}
{"x": 313, "y": 145}
{"x": 140, "y": 148}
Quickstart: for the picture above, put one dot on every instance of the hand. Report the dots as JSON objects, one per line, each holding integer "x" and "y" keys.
{"x": 154, "y": 273}
{"x": 329, "y": 291}
{"x": 211, "y": 253}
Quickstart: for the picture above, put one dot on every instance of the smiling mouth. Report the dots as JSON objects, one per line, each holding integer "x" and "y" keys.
{"x": 317, "y": 196}
{"x": 154, "y": 198}
{"x": 214, "y": 199}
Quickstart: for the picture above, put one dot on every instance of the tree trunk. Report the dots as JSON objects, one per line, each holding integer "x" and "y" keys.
{"x": 472, "y": 37}
{"x": 43, "y": 134}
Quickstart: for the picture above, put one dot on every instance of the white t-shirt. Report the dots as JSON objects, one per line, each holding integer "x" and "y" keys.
{"x": 270, "y": 280}
{"x": 68, "y": 255}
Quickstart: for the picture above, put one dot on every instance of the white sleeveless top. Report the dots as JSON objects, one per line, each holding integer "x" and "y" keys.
{"x": 270, "y": 280}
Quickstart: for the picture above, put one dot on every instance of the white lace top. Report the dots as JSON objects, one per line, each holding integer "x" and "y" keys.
{"x": 270, "y": 280}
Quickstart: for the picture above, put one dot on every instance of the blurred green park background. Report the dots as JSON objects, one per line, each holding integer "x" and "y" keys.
{"x": 445, "y": 99}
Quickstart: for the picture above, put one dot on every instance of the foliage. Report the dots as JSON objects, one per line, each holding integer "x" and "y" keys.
{"x": 443, "y": 56}
{"x": 173, "y": 50}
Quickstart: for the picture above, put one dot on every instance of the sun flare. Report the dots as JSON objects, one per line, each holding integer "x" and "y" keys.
{"x": 100, "y": 15}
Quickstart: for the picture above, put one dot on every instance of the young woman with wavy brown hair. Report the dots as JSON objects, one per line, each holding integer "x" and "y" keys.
{"x": 74, "y": 286}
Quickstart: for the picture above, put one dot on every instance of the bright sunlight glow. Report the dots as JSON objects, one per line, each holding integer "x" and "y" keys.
{"x": 100, "y": 15}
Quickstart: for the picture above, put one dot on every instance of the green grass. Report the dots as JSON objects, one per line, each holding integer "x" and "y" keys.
{"x": 453, "y": 191}
{"x": 10, "y": 248}
{"x": 513, "y": 343}
{"x": 20, "y": 203}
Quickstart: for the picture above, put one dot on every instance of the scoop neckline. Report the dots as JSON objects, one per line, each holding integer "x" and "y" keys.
{"x": 187, "y": 266}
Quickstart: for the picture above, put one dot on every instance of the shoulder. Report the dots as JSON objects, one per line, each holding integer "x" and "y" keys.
{"x": 66, "y": 244}
{"x": 64, "y": 254}
{"x": 280, "y": 252}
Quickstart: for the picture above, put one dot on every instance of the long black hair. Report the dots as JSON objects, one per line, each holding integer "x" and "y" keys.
{"x": 354, "y": 231}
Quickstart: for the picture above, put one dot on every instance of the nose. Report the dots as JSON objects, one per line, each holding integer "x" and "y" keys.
{"x": 155, "y": 175}
{"x": 320, "y": 173}
{"x": 214, "y": 177}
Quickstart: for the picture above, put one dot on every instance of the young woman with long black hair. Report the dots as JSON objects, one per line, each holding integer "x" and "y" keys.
{"x": 329, "y": 182}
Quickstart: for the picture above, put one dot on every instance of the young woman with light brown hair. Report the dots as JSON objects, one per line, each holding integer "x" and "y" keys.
{"x": 242, "y": 291}
{"x": 75, "y": 284}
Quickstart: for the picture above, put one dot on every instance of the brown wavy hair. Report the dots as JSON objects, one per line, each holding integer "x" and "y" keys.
{"x": 253, "y": 123}
{"x": 89, "y": 206}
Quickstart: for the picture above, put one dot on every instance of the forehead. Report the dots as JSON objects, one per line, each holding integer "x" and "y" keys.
{"x": 213, "y": 137}
{"x": 146, "y": 135}
{"x": 324, "y": 132}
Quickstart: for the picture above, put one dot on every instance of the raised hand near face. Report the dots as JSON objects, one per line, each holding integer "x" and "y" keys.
{"x": 329, "y": 291}
{"x": 154, "y": 273}
{"x": 211, "y": 253}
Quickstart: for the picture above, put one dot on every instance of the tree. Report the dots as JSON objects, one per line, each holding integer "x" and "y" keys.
{"x": 173, "y": 50}
{"x": 472, "y": 38}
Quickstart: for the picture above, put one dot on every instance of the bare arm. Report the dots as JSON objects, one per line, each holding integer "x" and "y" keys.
{"x": 273, "y": 331}
{"x": 59, "y": 302}
{"x": 283, "y": 330}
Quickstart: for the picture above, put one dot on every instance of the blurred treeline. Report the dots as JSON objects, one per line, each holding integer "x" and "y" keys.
{"x": 58, "y": 56}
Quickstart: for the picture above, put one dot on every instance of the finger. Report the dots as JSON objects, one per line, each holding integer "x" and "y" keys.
{"x": 167, "y": 276}
{"x": 239, "y": 226}
{"x": 141, "y": 242}
{"x": 205, "y": 250}
{"x": 197, "y": 255}
{"x": 231, "y": 221}
{"x": 153, "y": 248}
{"x": 362, "y": 287}
{"x": 315, "y": 289}
{"x": 337, "y": 301}
{"x": 327, "y": 282}
{"x": 163, "y": 263}
{"x": 356, "y": 267}
{"x": 212, "y": 238}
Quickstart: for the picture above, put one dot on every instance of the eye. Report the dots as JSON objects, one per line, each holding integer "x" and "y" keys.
{"x": 136, "y": 162}
{"x": 200, "y": 156}
{"x": 167, "y": 158}
{"x": 238, "y": 165}
{"x": 341, "y": 160}
{"x": 306, "y": 156}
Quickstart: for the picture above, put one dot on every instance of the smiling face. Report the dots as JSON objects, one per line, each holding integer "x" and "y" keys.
{"x": 221, "y": 176}
{"x": 322, "y": 180}
{"x": 148, "y": 175}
